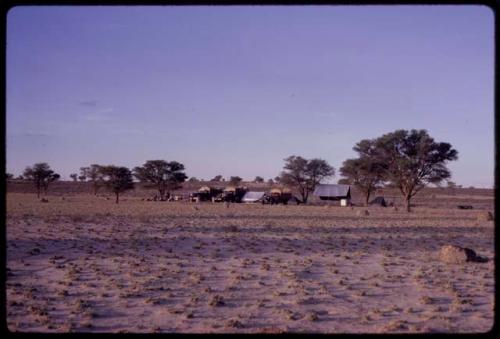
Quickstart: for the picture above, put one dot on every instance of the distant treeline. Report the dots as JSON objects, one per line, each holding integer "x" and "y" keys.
{"x": 406, "y": 160}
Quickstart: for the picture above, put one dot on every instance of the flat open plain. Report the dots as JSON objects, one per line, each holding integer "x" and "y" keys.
{"x": 82, "y": 263}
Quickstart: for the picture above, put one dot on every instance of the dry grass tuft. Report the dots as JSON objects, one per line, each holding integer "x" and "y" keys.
{"x": 234, "y": 323}
{"x": 396, "y": 325}
{"x": 485, "y": 216}
{"x": 217, "y": 301}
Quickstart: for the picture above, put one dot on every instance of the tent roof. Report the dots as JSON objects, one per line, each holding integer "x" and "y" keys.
{"x": 253, "y": 196}
{"x": 378, "y": 201}
{"x": 324, "y": 190}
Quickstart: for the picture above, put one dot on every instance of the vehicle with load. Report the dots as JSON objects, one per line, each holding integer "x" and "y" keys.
{"x": 205, "y": 193}
{"x": 277, "y": 196}
{"x": 233, "y": 194}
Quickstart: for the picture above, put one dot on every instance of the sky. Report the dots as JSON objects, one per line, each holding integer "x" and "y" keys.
{"x": 234, "y": 90}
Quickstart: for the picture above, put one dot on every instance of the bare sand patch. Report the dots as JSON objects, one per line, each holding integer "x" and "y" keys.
{"x": 88, "y": 265}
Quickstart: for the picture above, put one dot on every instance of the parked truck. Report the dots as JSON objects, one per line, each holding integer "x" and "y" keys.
{"x": 205, "y": 193}
{"x": 233, "y": 194}
{"x": 277, "y": 196}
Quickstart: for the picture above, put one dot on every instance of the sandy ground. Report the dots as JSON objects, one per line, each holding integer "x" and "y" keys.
{"x": 85, "y": 264}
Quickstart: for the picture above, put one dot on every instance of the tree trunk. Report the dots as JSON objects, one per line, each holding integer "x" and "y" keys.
{"x": 304, "y": 195}
{"x": 367, "y": 198}
{"x": 38, "y": 192}
{"x": 117, "y": 195}
{"x": 407, "y": 202}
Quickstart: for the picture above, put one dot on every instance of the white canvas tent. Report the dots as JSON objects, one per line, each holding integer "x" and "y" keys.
{"x": 253, "y": 196}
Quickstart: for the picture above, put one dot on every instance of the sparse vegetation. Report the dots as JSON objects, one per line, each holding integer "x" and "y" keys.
{"x": 94, "y": 173}
{"x": 235, "y": 180}
{"x": 117, "y": 179}
{"x": 41, "y": 175}
{"x": 186, "y": 266}
{"x": 217, "y": 178}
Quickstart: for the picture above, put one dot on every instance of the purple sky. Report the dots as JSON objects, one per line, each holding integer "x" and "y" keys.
{"x": 234, "y": 90}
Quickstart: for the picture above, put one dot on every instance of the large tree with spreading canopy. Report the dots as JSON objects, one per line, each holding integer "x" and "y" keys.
{"x": 163, "y": 175}
{"x": 303, "y": 174}
{"x": 41, "y": 175}
{"x": 411, "y": 160}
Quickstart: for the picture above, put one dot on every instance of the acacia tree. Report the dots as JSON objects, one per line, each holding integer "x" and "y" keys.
{"x": 451, "y": 184}
{"x": 235, "y": 180}
{"x": 412, "y": 160}
{"x": 163, "y": 175}
{"x": 365, "y": 172}
{"x": 41, "y": 175}
{"x": 258, "y": 179}
{"x": 95, "y": 175}
{"x": 304, "y": 175}
{"x": 217, "y": 178}
{"x": 117, "y": 179}
{"x": 74, "y": 176}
